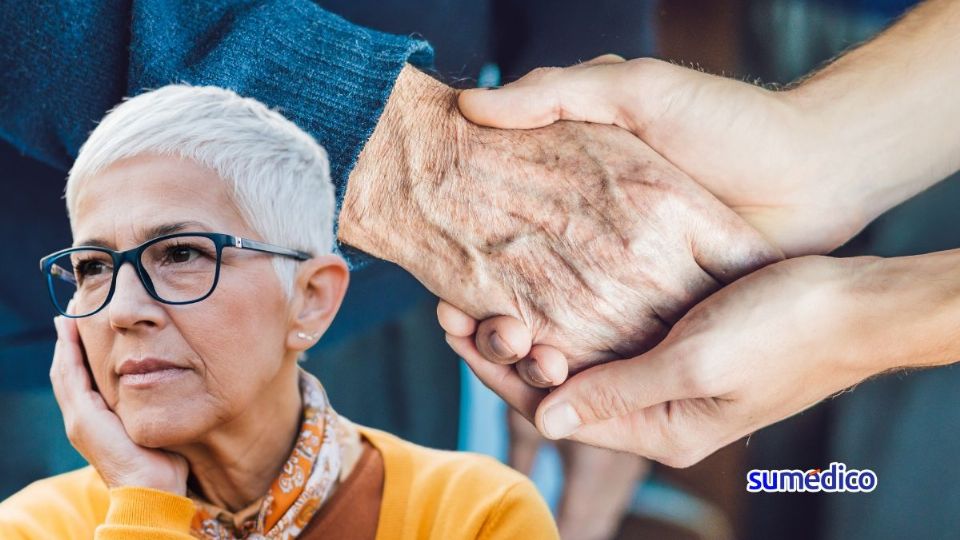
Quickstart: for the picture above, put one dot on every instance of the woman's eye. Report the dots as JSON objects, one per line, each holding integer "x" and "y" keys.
{"x": 186, "y": 253}
{"x": 181, "y": 254}
{"x": 89, "y": 268}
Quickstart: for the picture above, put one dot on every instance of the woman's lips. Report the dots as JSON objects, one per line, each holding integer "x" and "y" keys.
{"x": 144, "y": 380}
{"x": 148, "y": 372}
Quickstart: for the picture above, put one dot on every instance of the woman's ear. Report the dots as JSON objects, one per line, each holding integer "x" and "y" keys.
{"x": 318, "y": 291}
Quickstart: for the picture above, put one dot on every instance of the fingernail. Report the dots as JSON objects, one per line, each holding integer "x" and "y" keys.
{"x": 560, "y": 421}
{"x": 500, "y": 347}
{"x": 537, "y": 375}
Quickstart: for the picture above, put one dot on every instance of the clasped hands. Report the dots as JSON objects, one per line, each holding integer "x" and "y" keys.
{"x": 635, "y": 328}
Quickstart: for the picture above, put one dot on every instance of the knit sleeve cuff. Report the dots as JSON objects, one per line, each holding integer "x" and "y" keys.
{"x": 329, "y": 76}
{"x": 353, "y": 71}
{"x": 137, "y": 512}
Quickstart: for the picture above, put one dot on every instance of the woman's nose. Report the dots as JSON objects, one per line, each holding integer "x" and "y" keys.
{"x": 131, "y": 304}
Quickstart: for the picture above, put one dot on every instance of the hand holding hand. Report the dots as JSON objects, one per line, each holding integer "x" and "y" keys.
{"x": 582, "y": 232}
{"x": 759, "y": 151}
{"x": 97, "y": 433}
{"x": 757, "y": 351}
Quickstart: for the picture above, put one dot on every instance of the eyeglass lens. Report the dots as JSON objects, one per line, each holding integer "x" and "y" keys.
{"x": 180, "y": 269}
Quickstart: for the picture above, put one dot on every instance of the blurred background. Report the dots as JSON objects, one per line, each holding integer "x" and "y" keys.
{"x": 386, "y": 342}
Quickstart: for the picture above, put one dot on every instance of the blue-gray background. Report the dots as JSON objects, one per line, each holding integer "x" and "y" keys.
{"x": 384, "y": 361}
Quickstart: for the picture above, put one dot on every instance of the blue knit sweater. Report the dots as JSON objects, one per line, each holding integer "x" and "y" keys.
{"x": 63, "y": 64}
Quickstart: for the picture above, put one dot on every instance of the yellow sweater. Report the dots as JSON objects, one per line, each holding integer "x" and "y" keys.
{"x": 427, "y": 494}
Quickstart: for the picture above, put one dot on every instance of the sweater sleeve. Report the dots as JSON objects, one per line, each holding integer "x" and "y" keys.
{"x": 146, "y": 514}
{"x": 520, "y": 513}
{"x": 64, "y": 64}
{"x": 78, "y": 506}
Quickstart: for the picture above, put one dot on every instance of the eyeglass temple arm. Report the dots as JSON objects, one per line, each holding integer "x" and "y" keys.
{"x": 246, "y": 243}
{"x": 63, "y": 274}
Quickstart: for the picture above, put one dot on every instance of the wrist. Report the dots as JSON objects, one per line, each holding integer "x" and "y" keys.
{"x": 174, "y": 486}
{"x": 414, "y": 145}
{"x": 879, "y": 108}
{"x": 826, "y": 173}
{"x": 908, "y": 309}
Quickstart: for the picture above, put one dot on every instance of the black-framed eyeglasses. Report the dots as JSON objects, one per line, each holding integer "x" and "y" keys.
{"x": 181, "y": 268}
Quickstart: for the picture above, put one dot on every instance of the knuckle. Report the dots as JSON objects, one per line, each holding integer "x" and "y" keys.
{"x": 696, "y": 379}
{"x": 603, "y": 402}
{"x": 541, "y": 73}
{"x": 678, "y": 460}
{"x": 682, "y": 452}
{"x": 676, "y": 455}
{"x": 644, "y": 64}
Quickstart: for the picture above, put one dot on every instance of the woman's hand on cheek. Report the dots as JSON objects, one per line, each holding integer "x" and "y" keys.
{"x": 97, "y": 433}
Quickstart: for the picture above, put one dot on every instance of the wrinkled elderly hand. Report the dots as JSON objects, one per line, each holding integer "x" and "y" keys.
{"x": 97, "y": 433}
{"x": 759, "y": 350}
{"x": 765, "y": 154}
{"x": 582, "y": 232}
{"x": 761, "y": 152}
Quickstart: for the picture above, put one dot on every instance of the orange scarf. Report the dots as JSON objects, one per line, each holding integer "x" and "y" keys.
{"x": 306, "y": 481}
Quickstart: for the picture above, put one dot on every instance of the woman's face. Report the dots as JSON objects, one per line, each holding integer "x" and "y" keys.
{"x": 226, "y": 351}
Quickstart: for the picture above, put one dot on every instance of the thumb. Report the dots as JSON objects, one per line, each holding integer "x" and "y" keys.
{"x": 587, "y": 92}
{"x": 611, "y": 390}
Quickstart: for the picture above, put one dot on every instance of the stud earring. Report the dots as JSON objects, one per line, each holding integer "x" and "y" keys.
{"x": 308, "y": 337}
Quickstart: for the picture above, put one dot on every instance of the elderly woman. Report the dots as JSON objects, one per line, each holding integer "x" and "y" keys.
{"x": 177, "y": 374}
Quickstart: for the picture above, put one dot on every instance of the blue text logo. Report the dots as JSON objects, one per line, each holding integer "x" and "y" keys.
{"x": 836, "y": 479}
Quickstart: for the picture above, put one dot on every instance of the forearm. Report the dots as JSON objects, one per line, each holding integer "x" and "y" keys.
{"x": 64, "y": 64}
{"x": 387, "y": 207}
{"x": 887, "y": 108}
{"x": 907, "y": 310}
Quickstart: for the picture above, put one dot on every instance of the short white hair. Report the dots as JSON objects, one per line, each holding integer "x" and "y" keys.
{"x": 279, "y": 175}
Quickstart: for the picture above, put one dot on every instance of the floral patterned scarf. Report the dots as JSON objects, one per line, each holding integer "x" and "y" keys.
{"x": 305, "y": 482}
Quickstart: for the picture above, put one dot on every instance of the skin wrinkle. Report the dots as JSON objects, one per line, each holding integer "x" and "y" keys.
{"x": 523, "y": 283}
{"x": 605, "y": 187}
{"x": 213, "y": 440}
{"x": 448, "y": 228}
{"x": 591, "y": 200}
{"x": 607, "y": 191}
{"x": 607, "y": 194}
{"x": 769, "y": 394}
{"x": 565, "y": 227}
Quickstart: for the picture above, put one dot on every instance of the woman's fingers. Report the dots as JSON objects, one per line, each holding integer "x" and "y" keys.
{"x": 91, "y": 426}
{"x": 544, "y": 367}
{"x": 502, "y": 379}
{"x": 598, "y": 486}
{"x": 67, "y": 372}
{"x": 503, "y": 339}
{"x": 69, "y": 358}
{"x": 455, "y": 322}
{"x": 56, "y": 370}
{"x": 506, "y": 340}
{"x": 97, "y": 432}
